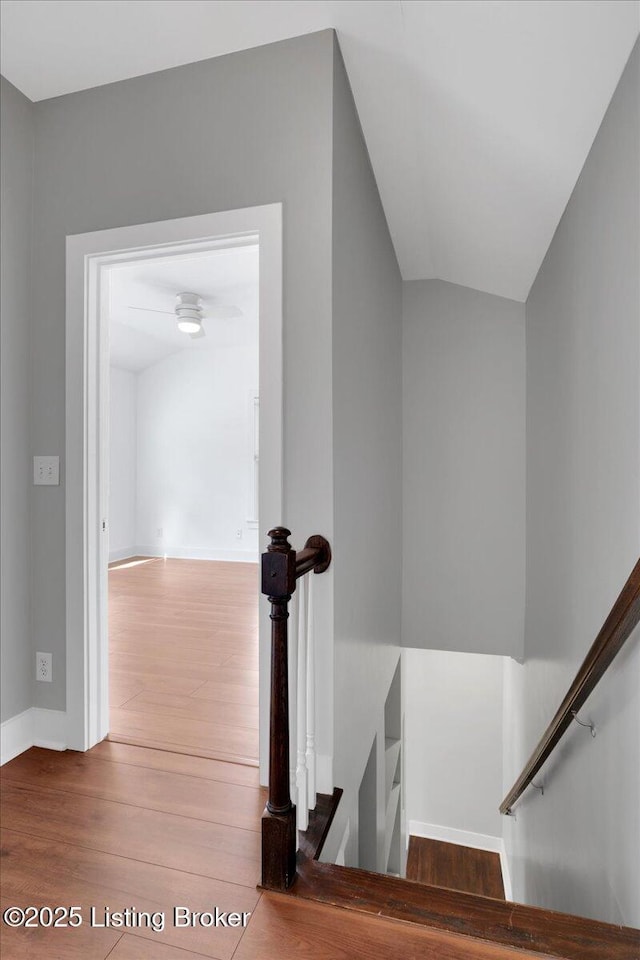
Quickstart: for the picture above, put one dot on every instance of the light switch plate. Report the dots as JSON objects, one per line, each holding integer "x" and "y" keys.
{"x": 46, "y": 471}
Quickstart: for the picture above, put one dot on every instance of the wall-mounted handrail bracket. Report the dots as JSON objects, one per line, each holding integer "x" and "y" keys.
{"x": 582, "y": 723}
{"x": 538, "y": 786}
{"x": 617, "y": 628}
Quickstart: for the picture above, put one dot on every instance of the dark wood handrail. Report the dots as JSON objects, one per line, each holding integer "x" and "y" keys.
{"x": 281, "y": 567}
{"x": 623, "y": 618}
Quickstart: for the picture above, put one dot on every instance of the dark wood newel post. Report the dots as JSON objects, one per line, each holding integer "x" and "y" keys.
{"x": 279, "y": 817}
{"x": 281, "y": 566}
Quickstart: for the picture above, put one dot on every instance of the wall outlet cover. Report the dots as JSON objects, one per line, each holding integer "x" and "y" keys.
{"x": 44, "y": 670}
{"x": 46, "y": 471}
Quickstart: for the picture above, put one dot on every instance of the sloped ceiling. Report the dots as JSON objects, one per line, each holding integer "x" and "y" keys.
{"x": 478, "y": 115}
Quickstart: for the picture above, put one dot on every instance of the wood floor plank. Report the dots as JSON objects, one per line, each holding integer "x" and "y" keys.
{"x": 110, "y": 883}
{"x": 170, "y": 650}
{"x": 135, "y": 640}
{"x": 154, "y": 789}
{"x": 46, "y": 943}
{"x": 226, "y": 692}
{"x": 212, "y": 850}
{"x": 131, "y": 947}
{"x": 192, "y": 708}
{"x": 455, "y": 867}
{"x": 244, "y": 661}
{"x": 135, "y": 663}
{"x": 219, "y": 738}
{"x": 174, "y": 625}
{"x": 156, "y": 681}
{"x": 283, "y": 928}
{"x": 186, "y": 749}
{"x": 177, "y": 763}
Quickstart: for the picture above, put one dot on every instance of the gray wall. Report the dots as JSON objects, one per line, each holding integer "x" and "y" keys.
{"x": 463, "y": 469}
{"x": 578, "y": 847}
{"x": 16, "y": 137}
{"x": 250, "y": 128}
{"x": 453, "y": 733}
{"x": 366, "y": 450}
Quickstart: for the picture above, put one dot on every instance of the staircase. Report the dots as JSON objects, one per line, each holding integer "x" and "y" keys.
{"x": 469, "y": 924}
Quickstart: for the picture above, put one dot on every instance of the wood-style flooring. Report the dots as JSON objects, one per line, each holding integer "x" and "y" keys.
{"x": 456, "y": 867}
{"x": 183, "y": 664}
{"x": 124, "y": 826}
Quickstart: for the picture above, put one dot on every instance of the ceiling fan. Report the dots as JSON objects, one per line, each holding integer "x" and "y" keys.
{"x": 189, "y": 313}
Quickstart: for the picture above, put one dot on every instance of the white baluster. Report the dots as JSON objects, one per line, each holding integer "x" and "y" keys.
{"x": 293, "y": 643}
{"x": 311, "y": 701}
{"x": 301, "y": 724}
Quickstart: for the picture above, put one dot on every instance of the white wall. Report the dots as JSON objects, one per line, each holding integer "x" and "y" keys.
{"x": 578, "y": 847}
{"x": 463, "y": 469}
{"x": 258, "y": 123}
{"x": 17, "y": 137}
{"x": 122, "y": 463}
{"x": 367, "y": 436}
{"x": 193, "y": 453}
{"x": 453, "y": 740}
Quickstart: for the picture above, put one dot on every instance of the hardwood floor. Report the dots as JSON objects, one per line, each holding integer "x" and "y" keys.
{"x": 130, "y": 827}
{"x": 183, "y": 656}
{"x": 456, "y": 867}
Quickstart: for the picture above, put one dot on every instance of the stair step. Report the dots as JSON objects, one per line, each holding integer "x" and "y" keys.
{"x": 457, "y": 867}
{"x": 508, "y": 924}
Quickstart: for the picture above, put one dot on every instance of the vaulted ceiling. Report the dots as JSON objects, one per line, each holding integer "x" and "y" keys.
{"x": 478, "y": 114}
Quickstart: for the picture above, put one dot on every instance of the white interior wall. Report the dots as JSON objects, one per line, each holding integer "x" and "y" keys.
{"x": 453, "y": 742}
{"x": 16, "y": 184}
{"x": 122, "y": 463}
{"x": 181, "y": 456}
{"x": 463, "y": 470}
{"x": 577, "y": 848}
{"x": 367, "y": 436}
{"x": 194, "y": 454}
{"x": 265, "y": 116}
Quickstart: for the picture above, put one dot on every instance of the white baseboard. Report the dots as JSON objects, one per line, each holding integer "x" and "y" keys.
{"x": 124, "y": 554}
{"x": 16, "y": 735}
{"x": 185, "y": 553}
{"x": 34, "y": 727}
{"x": 465, "y": 838}
{"x": 324, "y": 773}
{"x": 506, "y": 873}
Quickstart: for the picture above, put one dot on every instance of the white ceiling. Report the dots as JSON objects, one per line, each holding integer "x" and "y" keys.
{"x": 478, "y": 114}
{"x": 227, "y": 282}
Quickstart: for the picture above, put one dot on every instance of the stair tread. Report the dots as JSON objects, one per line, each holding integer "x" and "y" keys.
{"x": 502, "y": 922}
{"x": 288, "y": 928}
{"x": 457, "y": 867}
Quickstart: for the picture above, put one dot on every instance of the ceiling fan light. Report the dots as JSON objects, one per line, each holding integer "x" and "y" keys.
{"x": 189, "y": 312}
{"x": 187, "y": 325}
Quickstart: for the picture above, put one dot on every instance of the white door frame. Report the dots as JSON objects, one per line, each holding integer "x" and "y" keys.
{"x": 88, "y": 254}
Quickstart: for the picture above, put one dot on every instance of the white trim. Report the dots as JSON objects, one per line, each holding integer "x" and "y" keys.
{"x": 16, "y": 735}
{"x": 49, "y": 728}
{"x": 506, "y": 872}
{"x": 324, "y": 773}
{"x": 86, "y": 494}
{"x": 124, "y": 554}
{"x": 195, "y": 553}
{"x": 34, "y": 727}
{"x": 465, "y": 838}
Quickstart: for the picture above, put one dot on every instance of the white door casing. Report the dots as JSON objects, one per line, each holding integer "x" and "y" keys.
{"x": 86, "y": 466}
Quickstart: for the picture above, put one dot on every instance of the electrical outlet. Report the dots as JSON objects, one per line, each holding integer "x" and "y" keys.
{"x": 159, "y": 533}
{"x": 43, "y": 667}
{"x": 46, "y": 471}
{"x": 239, "y": 534}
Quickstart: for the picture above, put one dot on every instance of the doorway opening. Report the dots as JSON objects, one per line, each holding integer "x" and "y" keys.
{"x": 183, "y": 414}
{"x": 178, "y": 546}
